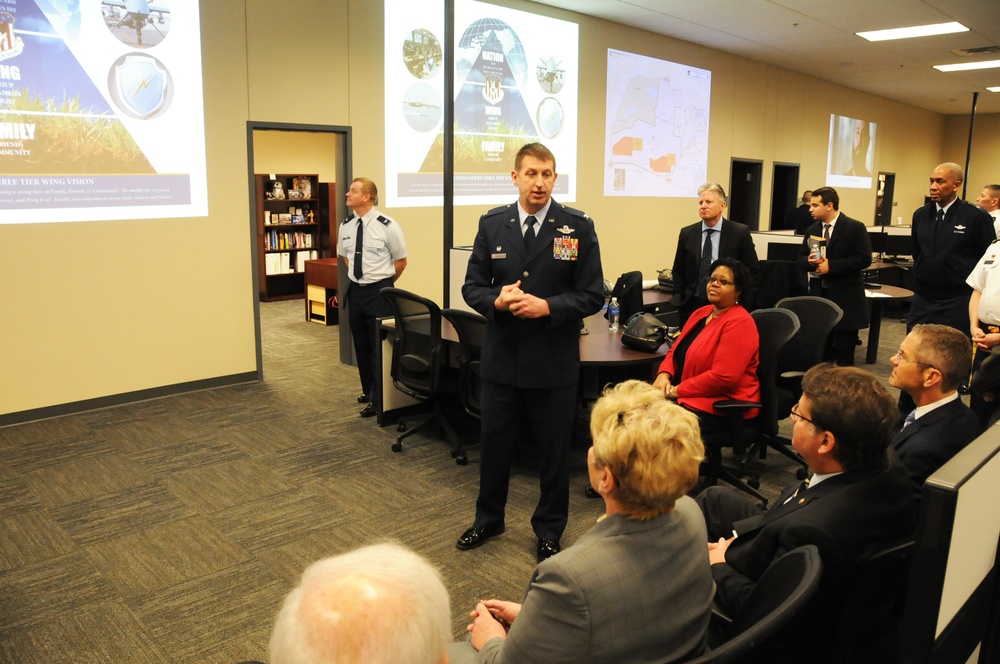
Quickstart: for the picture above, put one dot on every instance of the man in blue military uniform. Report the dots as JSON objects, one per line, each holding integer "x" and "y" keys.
{"x": 535, "y": 273}
{"x": 374, "y": 249}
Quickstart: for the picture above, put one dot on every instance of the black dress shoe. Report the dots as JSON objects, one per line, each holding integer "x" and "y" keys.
{"x": 591, "y": 492}
{"x": 547, "y": 548}
{"x": 369, "y": 411}
{"x": 363, "y": 398}
{"x": 476, "y": 536}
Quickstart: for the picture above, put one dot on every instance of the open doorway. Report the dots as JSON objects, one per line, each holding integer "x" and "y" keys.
{"x": 744, "y": 192}
{"x": 784, "y": 196}
{"x": 883, "y": 198}
{"x": 274, "y": 147}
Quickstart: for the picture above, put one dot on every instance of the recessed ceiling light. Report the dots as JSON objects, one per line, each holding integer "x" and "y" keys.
{"x": 965, "y": 66}
{"x": 995, "y": 88}
{"x": 915, "y": 31}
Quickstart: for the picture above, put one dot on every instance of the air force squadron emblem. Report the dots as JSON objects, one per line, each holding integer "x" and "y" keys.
{"x": 493, "y": 88}
{"x": 140, "y": 85}
{"x": 10, "y": 44}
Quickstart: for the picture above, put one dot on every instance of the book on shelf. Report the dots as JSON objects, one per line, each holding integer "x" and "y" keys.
{"x": 285, "y": 262}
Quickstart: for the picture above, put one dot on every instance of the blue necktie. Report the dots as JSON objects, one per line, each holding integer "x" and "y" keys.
{"x": 529, "y": 235}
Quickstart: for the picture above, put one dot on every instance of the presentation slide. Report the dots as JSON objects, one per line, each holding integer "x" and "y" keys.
{"x": 516, "y": 82}
{"x": 851, "y": 155}
{"x": 101, "y": 111}
{"x": 656, "y": 140}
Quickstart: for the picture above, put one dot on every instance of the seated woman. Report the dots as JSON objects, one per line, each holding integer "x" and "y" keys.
{"x": 716, "y": 355}
{"x": 636, "y": 587}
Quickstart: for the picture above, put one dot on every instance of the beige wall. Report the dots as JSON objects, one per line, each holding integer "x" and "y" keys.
{"x": 100, "y": 309}
{"x": 984, "y": 165}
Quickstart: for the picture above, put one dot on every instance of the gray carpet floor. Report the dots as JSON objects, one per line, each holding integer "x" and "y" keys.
{"x": 170, "y": 530}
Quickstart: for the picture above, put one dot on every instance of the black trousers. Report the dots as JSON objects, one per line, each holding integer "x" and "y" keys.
{"x": 364, "y": 305}
{"x": 549, "y": 413}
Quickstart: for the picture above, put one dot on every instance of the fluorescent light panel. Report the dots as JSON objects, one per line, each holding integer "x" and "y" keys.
{"x": 915, "y": 31}
{"x": 966, "y": 66}
{"x": 995, "y": 88}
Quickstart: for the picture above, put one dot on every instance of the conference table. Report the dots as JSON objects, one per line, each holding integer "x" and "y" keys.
{"x": 603, "y": 358}
{"x": 877, "y": 296}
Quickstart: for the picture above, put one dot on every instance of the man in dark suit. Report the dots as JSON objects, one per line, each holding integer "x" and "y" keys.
{"x": 535, "y": 273}
{"x": 845, "y": 252}
{"x": 931, "y": 363}
{"x": 855, "y": 503}
{"x": 702, "y": 243}
{"x": 949, "y": 237}
{"x": 801, "y": 217}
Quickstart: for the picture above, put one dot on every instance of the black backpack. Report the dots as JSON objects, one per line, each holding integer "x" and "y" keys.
{"x": 628, "y": 290}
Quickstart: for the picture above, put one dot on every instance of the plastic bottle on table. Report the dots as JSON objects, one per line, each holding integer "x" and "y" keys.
{"x": 614, "y": 311}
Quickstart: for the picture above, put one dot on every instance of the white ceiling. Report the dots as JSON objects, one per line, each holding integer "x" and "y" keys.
{"x": 816, "y": 37}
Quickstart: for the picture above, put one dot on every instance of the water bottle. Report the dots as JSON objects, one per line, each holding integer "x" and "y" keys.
{"x": 614, "y": 311}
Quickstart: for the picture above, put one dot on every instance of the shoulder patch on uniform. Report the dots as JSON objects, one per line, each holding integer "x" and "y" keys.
{"x": 574, "y": 211}
{"x": 385, "y": 221}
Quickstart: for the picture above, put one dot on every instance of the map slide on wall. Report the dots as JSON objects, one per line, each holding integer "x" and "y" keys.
{"x": 656, "y": 140}
{"x": 516, "y": 82}
{"x": 851, "y": 154}
{"x": 101, "y": 110}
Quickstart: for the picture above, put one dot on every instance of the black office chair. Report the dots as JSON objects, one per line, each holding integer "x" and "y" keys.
{"x": 471, "y": 329}
{"x": 784, "y": 588}
{"x": 776, "y": 328}
{"x": 416, "y": 358}
{"x": 868, "y": 625}
{"x": 817, "y": 318}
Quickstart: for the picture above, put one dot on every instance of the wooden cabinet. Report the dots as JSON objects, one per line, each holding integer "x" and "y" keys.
{"x": 291, "y": 229}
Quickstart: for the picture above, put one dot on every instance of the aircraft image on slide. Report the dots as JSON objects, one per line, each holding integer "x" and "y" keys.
{"x": 124, "y": 16}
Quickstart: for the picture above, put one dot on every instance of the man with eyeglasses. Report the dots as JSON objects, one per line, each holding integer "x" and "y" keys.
{"x": 931, "y": 363}
{"x": 855, "y": 503}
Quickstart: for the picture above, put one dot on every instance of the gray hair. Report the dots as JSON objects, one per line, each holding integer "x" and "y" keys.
{"x": 715, "y": 188}
{"x": 380, "y": 604}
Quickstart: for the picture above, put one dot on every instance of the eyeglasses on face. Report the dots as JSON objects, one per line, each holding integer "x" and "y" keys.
{"x": 899, "y": 357}
{"x": 796, "y": 416}
{"x": 721, "y": 282}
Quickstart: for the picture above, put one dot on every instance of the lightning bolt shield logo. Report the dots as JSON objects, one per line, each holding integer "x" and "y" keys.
{"x": 140, "y": 85}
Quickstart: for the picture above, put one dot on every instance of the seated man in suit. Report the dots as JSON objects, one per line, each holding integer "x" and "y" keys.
{"x": 702, "y": 243}
{"x": 855, "y": 504}
{"x": 931, "y": 363}
{"x": 636, "y": 587}
{"x": 836, "y": 273}
{"x": 380, "y": 604}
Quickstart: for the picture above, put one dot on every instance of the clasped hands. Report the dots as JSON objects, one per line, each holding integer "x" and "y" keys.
{"x": 717, "y": 550}
{"x": 822, "y": 265}
{"x": 983, "y": 340}
{"x": 491, "y": 619}
{"x": 519, "y": 303}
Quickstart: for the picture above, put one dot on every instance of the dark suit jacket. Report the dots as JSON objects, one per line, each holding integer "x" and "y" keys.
{"x": 564, "y": 268}
{"x": 627, "y": 591}
{"x": 944, "y": 258}
{"x": 735, "y": 242}
{"x": 849, "y": 517}
{"x": 849, "y": 252}
{"x": 931, "y": 440}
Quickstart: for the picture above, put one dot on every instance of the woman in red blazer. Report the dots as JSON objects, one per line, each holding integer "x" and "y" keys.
{"x": 717, "y": 352}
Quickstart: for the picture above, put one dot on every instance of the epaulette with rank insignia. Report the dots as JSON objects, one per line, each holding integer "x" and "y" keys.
{"x": 498, "y": 210}
{"x": 384, "y": 220}
{"x": 574, "y": 211}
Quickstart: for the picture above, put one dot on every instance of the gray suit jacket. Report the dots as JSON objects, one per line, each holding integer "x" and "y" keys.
{"x": 627, "y": 591}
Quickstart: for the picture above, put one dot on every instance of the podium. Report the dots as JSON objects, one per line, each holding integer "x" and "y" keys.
{"x": 321, "y": 291}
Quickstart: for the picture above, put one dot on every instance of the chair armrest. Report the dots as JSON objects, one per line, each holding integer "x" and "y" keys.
{"x": 735, "y": 405}
{"x": 793, "y": 374}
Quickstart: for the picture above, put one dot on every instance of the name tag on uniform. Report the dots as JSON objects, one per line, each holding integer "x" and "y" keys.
{"x": 498, "y": 256}
{"x": 565, "y": 248}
